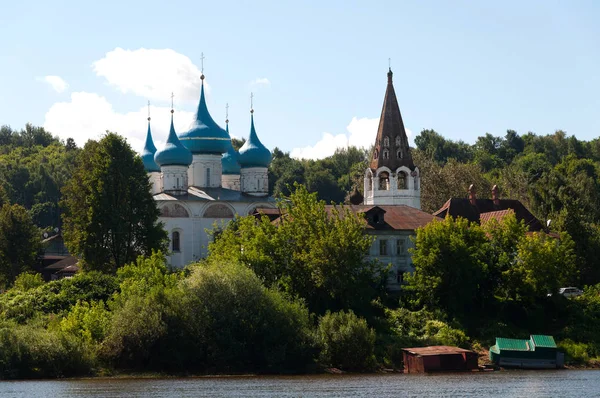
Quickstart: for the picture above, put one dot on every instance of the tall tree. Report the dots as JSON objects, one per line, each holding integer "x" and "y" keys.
{"x": 20, "y": 242}
{"x": 110, "y": 217}
{"x": 311, "y": 252}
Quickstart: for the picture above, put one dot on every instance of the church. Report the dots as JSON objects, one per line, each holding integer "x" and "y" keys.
{"x": 199, "y": 180}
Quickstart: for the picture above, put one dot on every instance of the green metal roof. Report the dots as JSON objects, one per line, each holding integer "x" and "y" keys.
{"x": 512, "y": 344}
{"x": 543, "y": 341}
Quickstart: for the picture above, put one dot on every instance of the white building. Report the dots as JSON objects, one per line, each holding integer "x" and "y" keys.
{"x": 199, "y": 181}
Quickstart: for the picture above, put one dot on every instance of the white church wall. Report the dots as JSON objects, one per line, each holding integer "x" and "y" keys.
{"x": 206, "y": 171}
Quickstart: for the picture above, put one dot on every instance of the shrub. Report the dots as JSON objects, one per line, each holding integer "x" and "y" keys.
{"x": 346, "y": 342}
{"x": 27, "y": 281}
{"x": 576, "y": 353}
{"x": 441, "y": 333}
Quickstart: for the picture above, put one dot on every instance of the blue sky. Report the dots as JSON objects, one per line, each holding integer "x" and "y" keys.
{"x": 317, "y": 68}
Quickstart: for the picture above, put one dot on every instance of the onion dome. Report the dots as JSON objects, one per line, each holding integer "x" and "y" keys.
{"x": 148, "y": 153}
{"x": 230, "y": 159}
{"x": 253, "y": 153}
{"x": 205, "y": 135}
{"x": 174, "y": 153}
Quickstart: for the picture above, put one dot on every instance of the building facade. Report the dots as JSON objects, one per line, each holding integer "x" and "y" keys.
{"x": 200, "y": 182}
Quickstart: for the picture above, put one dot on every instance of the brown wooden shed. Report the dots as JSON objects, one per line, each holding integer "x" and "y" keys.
{"x": 439, "y": 358}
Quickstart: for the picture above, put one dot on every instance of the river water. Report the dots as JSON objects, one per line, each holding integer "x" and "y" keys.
{"x": 529, "y": 384}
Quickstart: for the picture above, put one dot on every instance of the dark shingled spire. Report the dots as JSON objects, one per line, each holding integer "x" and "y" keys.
{"x": 391, "y": 145}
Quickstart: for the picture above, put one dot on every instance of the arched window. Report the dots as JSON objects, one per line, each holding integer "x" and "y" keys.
{"x": 175, "y": 243}
{"x": 402, "y": 180}
{"x": 369, "y": 183}
{"x": 398, "y": 140}
{"x": 384, "y": 181}
{"x": 386, "y": 154}
{"x": 416, "y": 183}
{"x": 375, "y": 154}
{"x": 386, "y": 141}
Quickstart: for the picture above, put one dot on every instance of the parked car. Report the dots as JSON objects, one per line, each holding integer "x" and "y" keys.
{"x": 568, "y": 292}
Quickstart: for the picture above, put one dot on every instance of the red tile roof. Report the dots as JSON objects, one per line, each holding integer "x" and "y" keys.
{"x": 462, "y": 207}
{"x": 496, "y": 215}
{"x": 395, "y": 217}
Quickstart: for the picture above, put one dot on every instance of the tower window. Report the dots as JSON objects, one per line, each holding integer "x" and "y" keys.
{"x": 375, "y": 154}
{"x": 208, "y": 177}
{"x": 399, "y": 154}
{"x": 386, "y": 142}
{"x": 175, "y": 244}
{"x": 177, "y": 186}
{"x": 384, "y": 181}
{"x": 398, "y": 140}
{"x": 402, "y": 180}
{"x": 386, "y": 154}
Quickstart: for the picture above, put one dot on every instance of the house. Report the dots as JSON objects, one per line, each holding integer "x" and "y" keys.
{"x": 391, "y": 227}
{"x": 483, "y": 210}
{"x": 438, "y": 359}
{"x": 537, "y": 352}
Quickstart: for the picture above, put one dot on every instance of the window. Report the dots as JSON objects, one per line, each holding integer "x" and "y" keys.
{"x": 400, "y": 246}
{"x": 177, "y": 186}
{"x": 416, "y": 183}
{"x": 383, "y": 247}
{"x": 375, "y": 154}
{"x": 386, "y": 154}
{"x": 384, "y": 181}
{"x": 399, "y": 154}
{"x": 175, "y": 245}
{"x": 208, "y": 177}
{"x": 400, "y": 276}
{"x": 386, "y": 142}
{"x": 398, "y": 140}
{"x": 402, "y": 181}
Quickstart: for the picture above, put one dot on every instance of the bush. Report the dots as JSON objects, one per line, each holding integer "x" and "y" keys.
{"x": 346, "y": 342}
{"x": 27, "y": 281}
{"x": 575, "y": 353}
{"x": 57, "y": 297}
{"x": 32, "y": 351}
{"x": 440, "y": 333}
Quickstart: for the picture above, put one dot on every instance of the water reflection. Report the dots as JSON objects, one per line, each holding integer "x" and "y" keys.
{"x": 567, "y": 383}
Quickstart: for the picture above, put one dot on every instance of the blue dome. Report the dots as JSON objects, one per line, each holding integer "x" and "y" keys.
{"x": 174, "y": 153}
{"x": 205, "y": 135}
{"x": 253, "y": 153}
{"x": 230, "y": 159}
{"x": 148, "y": 153}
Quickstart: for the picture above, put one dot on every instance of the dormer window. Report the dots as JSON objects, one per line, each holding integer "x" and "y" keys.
{"x": 375, "y": 154}
{"x": 386, "y": 142}
{"x": 398, "y": 140}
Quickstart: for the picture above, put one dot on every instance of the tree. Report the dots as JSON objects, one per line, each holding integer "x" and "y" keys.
{"x": 110, "y": 216}
{"x": 312, "y": 252}
{"x": 451, "y": 268}
{"x": 543, "y": 264}
{"x": 20, "y": 242}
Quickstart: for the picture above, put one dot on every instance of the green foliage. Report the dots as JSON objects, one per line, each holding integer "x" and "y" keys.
{"x": 575, "y": 353}
{"x": 451, "y": 268}
{"x": 219, "y": 319}
{"x": 440, "y": 333}
{"x": 32, "y": 351}
{"x": 27, "y": 281}
{"x": 110, "y": 216}
{"x": 87, "y": 320}
{"x": 56, "y": 297}
{"x": 314, "y": 253}
{"x": 19, "y": 242}
{"x": 346, "y": 342}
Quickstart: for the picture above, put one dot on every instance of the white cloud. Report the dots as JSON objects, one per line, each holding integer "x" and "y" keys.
{"x": 260, "y": 81}
{"x": 56, "y": 82}
{"x": 362, "y": 133}
{"x": 88, "y": 115}
{"x": 151, "y": 73}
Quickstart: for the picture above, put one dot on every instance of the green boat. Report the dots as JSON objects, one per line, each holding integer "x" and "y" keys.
{"x": 537, "y": 352}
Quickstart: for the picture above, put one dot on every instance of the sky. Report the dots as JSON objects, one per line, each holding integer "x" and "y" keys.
{"x": 317, "y": 68}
